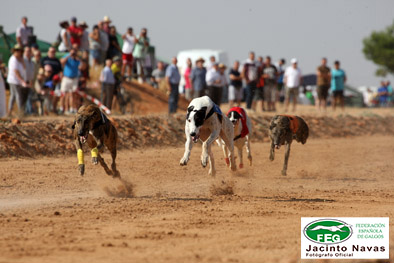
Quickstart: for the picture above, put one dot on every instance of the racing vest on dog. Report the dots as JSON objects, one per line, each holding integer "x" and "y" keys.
{"x": 241, "y": 112}
{"x": 294, "y": 123}
{"x": 215, "y": 109}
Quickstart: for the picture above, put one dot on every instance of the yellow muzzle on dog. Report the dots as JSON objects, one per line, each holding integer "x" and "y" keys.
{"x": 80, "y": 156}
{"x": 94, "y": 152}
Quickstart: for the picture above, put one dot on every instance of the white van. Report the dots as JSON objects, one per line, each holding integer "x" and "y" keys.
{"x": 194, "y": 54}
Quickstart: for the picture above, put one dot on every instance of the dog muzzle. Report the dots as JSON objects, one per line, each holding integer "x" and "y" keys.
{"x": 195, "y": 138}
{"x": 84, "y": 138}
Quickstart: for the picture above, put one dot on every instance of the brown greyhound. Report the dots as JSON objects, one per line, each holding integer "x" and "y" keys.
{"x": 92, "y": 126}
{"x": 283, "y": 129}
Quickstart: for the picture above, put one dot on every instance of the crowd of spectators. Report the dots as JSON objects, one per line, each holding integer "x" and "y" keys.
{"x": 53, "y": 83}
{"x": 49, "y": 84}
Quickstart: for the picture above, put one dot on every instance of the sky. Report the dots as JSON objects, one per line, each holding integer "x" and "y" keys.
{"x": 305, "y": 29}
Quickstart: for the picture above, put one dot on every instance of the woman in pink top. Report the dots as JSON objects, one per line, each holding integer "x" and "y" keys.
{"x": 188, "y": 85}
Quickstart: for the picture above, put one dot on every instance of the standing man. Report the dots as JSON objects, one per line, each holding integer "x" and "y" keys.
{"x": 173, "y": 77}
{"x": 338, "y": 79}
{"x": 292, "y": 80}
{"x": 75, "y": 32}
{"x": 235, "y": 91}
{"x": 197, "y": 78}
{"x": 69, "y": 83}
{"x": 269, "y": 74}
{"x": 53, "y": 61}
{"x": 139, "y": 53}
{"x": 250, "y": 75}
{"x": 23, "y": 32}
{"x": 214, "y": 83}
{"x": 323, "y": 84}
{"x": 107, "y": 79}
{"x": 129, "y": 40}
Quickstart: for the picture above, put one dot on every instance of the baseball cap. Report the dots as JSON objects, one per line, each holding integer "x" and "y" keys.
{"x": 293, "y": 60}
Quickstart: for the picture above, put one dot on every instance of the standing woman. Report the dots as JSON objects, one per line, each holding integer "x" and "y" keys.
{"x": 17, "y": 80}
{"x": 188, "y": 85}
{"x": 95, "y": 46}
{"x": 65, "y": 44}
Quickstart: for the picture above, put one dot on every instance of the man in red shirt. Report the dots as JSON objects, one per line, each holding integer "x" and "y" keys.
{"x": 75, "y": 32}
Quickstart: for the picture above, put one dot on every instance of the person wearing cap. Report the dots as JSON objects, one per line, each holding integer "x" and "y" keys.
{"x": 235, "y": 91}
{"x": 129, "y": 40}
{"x": 23, "y": 32}
{"x": 104, "y": 41}
{"x": 197, "y": 77}
{"x": 158, "y": 74}
{"x": 323, "y": 74}
{"x": 173, "y": 78}
{"x": 338, "y": 79}
{"x": 292, "y": 79}
{"x": 17, "y": 80}
{"x": 84, "y": 37}
{"x": 215, "y": 82}
{"x": 139, "y": 53}
{"x": 65, "y": 43}
{"x": 270, "y": 74}
{"x": 69, "y": 83}
{"x": 75, "y": 32}
{"x": 106, "y": 24}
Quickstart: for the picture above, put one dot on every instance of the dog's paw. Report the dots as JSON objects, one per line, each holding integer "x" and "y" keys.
{"x": 183, "y": 161}
{"x": 227, "y": 160}
{"x": 250, "y": 160}
{"x": 284, "y": 172}
{"x": 81, "y": 169}
{"x": 241, "y": 165}
{"x": 271, "y": 157}
{"x": 204, "y": 160}
{"x": 212, "y": 172}
{"x": 116, "y": 174}
{"x": 94, "y": 160}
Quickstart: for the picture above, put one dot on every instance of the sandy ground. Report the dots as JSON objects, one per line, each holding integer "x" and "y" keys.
{"x": 161, "y": 212}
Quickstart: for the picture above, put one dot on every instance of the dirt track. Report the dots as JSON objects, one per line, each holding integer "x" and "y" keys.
{"x": 48, "y": 213}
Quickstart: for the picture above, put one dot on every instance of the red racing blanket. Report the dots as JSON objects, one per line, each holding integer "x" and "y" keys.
{"x": 241, "y": 112}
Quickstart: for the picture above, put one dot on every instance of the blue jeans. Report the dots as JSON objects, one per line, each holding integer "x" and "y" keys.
{"x": 249, "y": 94}
{"x": 173, "y": 99}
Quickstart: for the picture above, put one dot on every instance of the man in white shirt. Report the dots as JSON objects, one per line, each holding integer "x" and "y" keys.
{"x": 292, "y": 80}
{"x": 23, "y": 32}
{"x": 215, "y": 82}
{"x": 129, "y": 40}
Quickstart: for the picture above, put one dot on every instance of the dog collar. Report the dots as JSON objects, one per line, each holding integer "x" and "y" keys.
{"x": 103, "y": 121}
{"x": 237, "y": 137}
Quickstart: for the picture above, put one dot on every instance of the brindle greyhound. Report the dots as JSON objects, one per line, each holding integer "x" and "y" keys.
{"x": 92, "y": 126}
{"x": 283, "y": 129}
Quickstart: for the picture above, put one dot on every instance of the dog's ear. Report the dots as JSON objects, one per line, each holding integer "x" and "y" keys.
{"x": 190, "y": 109}
{"x": 73, "y": 126}
{"x": 203, "y": 109}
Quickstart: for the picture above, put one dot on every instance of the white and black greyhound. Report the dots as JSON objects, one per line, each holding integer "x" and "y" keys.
{"x": 205, "y": 121}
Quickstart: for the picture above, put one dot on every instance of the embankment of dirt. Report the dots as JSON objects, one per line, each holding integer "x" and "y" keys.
{"x": 38, "y": 138}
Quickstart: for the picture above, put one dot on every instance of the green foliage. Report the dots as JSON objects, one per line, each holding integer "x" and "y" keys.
{"x": 379, "y": 47}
